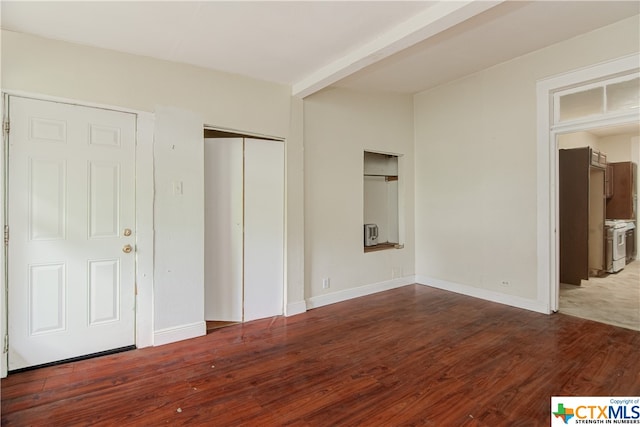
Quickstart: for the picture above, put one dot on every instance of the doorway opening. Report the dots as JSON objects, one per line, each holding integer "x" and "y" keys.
{"x": 244, "y": 227}
{"x": 600, "y": 232}
{"x": 601, "y": 96}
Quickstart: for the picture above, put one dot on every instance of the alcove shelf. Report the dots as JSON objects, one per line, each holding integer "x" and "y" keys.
{"x": 381, "y": 195}
{"x": 381, "y": 247}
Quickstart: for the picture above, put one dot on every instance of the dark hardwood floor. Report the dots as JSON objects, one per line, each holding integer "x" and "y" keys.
{"x": 409, "y": 356}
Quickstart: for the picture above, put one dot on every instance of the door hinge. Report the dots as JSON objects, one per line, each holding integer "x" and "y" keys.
{"x": 5, "y": 347}
{"x": 6, "y": 127}
{"x": 6, "y": 235}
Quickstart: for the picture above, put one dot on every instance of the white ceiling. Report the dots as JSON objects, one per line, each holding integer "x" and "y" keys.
{"x": 397, "y": 46}
{"x": 506, "y": 31}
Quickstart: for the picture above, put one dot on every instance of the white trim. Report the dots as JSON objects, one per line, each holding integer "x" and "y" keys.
{"x": 547, "y": 168}
{"x": 4, "y": 359}
{"x": 81, "y": 103}
{"x": 626, "y": 64}
{"x": 179, "y": 333}
{"x": 144, "y": 230}
{"x": 514, "y": 301}
{"x": 293, "y": 308}
{"x": 597, "y": 122}
{"x": 243, "y": 134}
{"x": 347, "y": 294}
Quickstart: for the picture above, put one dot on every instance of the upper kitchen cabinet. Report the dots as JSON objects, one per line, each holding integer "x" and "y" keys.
{"x": 623, "y": 203}
{"x": 608, "y": 182}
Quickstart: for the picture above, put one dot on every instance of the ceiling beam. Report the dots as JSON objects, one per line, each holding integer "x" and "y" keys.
{"x": 431, "y": 21}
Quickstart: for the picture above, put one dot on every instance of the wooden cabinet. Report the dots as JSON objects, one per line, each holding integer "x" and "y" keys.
{"x": 598, "y": 159}
{"x": 623, "y": 203}
{"x": 582, "y": 209}
{"x": 608, "y": 182}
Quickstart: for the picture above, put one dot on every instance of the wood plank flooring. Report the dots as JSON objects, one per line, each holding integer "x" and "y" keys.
{"x": 409, "y": 356}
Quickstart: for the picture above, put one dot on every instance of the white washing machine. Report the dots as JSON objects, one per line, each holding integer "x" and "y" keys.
{"x": 616, "y": 244}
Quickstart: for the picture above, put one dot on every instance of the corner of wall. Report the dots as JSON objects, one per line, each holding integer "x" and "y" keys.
{"x": 512, "y": 300}
{"x": 347, "y": 294}
{"x": 293, "y": 308}
{"x": 294, "y": 211}
{"x": 3, "y": 293}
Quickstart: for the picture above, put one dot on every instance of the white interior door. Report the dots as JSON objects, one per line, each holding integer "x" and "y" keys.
{"x": 263, "y": 229}
{"x": 244, "y": 226}
{"x": 223, "y": 228}
{"x": 71, "y": 206}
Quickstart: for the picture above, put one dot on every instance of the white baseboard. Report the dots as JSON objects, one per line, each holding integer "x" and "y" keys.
{"x": 179, "y": 333}
{"x": 294, "y": 308}
{"x": 347, "y": 294}
{"x": 514, "y": 301}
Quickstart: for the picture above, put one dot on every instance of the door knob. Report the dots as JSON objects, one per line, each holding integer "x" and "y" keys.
{"x": 127, "y": 232}
{"x": 127, "y": 249}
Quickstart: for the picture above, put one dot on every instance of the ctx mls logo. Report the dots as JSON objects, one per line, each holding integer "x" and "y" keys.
{"x": 573, "y": 410}
{"x": 564, "y": 413}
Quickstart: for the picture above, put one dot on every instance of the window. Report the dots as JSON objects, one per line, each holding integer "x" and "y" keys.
{"x": 624, "y": 95}
{"x": 582, "y": 104}
{"x": 620, "y": 95}
{"x": 381, "y": 207}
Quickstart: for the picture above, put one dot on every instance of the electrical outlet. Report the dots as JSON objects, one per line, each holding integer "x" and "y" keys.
{"x": 505, "y": 283}
{"x": 326, "y": 282}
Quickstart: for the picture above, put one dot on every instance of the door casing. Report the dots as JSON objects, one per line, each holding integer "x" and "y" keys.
{"x": 548, "y": 262}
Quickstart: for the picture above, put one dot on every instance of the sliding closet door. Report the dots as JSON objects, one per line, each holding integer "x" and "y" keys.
{"x": 263, "y": 229}
{"x": 223, "y": 229}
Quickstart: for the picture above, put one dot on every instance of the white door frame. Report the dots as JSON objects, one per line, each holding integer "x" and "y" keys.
{"x": 547, "y": 164}
{"x": 144, "y": 219}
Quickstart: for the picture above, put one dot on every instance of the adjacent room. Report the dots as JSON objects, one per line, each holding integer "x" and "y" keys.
{"x": 609, "y": 290}
{"x": 318, "y": 213}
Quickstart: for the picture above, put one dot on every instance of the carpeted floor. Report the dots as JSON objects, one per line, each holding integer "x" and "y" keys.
{"x": 614, "y": 299}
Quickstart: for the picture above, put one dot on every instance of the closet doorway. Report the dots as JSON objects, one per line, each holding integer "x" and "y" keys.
{"x": 244, "y": 227}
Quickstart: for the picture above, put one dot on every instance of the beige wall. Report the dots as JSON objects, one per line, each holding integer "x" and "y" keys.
{"x": 339, "y": 125}
{"x": 577, "y": 140}
{"x": 180, "y": 95}
{"x": 619, "y": 148}
{"x": 55, "y": 68}
{"x": 475, "y": 150}
{"x": 475, "y": 159}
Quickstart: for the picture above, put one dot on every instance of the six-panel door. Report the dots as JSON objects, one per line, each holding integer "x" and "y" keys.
{"x": 71, "y": 216}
